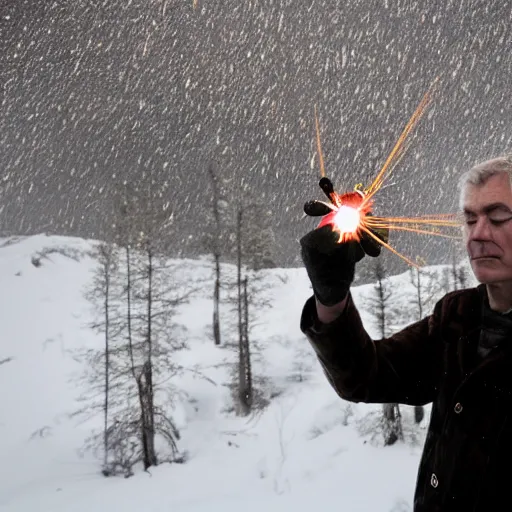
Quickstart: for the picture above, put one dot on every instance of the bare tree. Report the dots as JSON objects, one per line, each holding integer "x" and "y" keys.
{"x": 138, "y": 293}
{"x": 426, "y": 286}
{"x": 417, "y": 281}
{"x": 380, "y": 306}
{"x": 393, "y": 424}
{"x": 455, "y": 269}
{"x": 459, "y": 274}
{"x": 259, "y": 238}
{"x": 101, "y": 287}
{"x": 215, "y": 243}
{"x": 244, "y": 354}
{"x": 248, "y": 301}
{"x": 104, "y": 375}
{"x": 382, "y": 299}
{"x": 462, "y": 276}
{"x": 245, "y": 384}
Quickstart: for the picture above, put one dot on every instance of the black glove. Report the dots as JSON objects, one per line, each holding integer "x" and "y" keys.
{"x": 331, "y": 265}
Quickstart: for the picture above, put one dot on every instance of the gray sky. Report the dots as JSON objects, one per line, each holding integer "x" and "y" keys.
{"x": 95, "y": 94}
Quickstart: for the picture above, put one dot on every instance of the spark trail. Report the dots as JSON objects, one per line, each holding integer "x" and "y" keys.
{"x": 344, "y": 208}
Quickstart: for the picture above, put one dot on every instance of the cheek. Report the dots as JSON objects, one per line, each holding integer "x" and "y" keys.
{"x": 502, "y": 239}
{"x": 505, "y": 241}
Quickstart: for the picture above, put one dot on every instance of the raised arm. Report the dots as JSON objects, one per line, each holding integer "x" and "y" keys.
{"x": 404, "y": 368}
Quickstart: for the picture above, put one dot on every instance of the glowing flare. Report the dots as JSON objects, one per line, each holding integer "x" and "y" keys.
{"x": 352, "y": 212}
{"x": 347, "y": 219}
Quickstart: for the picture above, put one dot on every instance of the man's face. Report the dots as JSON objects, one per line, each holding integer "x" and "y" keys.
{"x": 488, "y": 229}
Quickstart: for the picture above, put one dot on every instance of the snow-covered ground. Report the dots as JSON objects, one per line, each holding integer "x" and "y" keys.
{"x": 302, "y": 452}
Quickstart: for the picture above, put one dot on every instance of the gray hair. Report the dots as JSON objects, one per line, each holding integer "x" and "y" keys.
{"x": 481, "y": 172}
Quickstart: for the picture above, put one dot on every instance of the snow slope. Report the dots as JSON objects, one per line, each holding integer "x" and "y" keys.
{"x": 304, "y": 451}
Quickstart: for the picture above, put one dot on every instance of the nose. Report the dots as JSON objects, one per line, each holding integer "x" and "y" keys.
{"x": 481, "y": 230}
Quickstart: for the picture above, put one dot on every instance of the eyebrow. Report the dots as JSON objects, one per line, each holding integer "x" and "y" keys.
{"x": 489, "y": 208}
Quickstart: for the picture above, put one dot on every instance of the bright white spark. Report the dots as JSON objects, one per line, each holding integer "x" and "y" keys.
{"x": 347, "y": 219}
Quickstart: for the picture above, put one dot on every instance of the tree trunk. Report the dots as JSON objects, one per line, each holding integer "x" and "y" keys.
{"x": 216, "y": 256}
{"x": 148, "y": 367}
{"x": 139, "y": 379}
{"x": 419, "y": 413}
{"x": 248, "y": 395}
{"x": 381, "y": 304}
{"x": 129, "y": 310}
{"x": 418, "y": 293}
{"x": 392, "y": 424}
{"x": 242, "y": 403}
{"x": 147, "y": 429}
{"x": 107, "y": 262}
{"x": 454, "y": 270}
{"x": 216, "y": 301}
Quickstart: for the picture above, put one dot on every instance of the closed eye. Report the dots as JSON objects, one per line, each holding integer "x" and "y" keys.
{"x": 499, "y": 222}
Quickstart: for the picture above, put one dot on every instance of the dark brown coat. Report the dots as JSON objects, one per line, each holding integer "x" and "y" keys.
{"x": 467, "y": 459}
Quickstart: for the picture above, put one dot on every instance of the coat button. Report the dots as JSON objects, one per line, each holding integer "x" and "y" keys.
{"x": 434, "y": 482}
{"x": 458, "y": 408}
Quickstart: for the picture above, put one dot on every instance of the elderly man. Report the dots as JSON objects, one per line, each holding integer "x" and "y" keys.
{"x": 459, "y": 358}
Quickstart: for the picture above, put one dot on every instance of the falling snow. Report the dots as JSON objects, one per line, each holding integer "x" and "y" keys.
{"x": 94, "y": 94}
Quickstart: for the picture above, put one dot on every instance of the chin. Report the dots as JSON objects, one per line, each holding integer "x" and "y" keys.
{"x": 485, "y": 272}
{"x": 488, "y": 275}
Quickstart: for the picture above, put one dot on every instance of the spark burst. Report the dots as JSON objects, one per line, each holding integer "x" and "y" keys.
{"x": 351, "y": 213}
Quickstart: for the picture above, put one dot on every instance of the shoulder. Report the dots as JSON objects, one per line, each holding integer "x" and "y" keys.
{"x": 467, "y": 298}
{"x": 460, "y": 308}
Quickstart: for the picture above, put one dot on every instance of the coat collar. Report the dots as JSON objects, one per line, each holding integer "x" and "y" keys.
{"x": 483, "y": 326}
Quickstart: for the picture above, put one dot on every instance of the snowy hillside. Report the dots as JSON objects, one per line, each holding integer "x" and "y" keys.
{"x": 303, "y": 451}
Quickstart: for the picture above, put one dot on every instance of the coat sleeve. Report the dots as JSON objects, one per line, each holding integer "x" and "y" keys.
{"x": 404, "y": 368}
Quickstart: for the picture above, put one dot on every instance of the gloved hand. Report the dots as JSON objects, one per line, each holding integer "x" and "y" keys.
{"x": 331, "y": 265}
